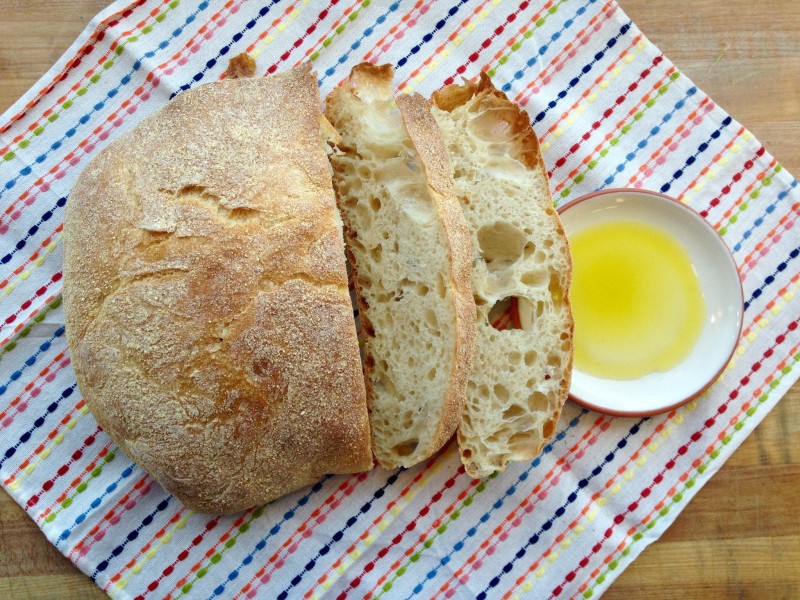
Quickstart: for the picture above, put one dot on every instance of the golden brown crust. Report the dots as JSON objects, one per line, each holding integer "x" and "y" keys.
{"x": 242, "y": 65}
{"x": 516, "y": 119}
{"x": 368, "y": 81}
{"x": 427, "y": 141}
{"x": 206, "y": 297}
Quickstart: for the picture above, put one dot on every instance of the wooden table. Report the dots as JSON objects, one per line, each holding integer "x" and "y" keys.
{"x": 740, "y": 537}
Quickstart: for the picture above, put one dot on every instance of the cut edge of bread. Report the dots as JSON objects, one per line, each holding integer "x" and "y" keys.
{"x": 373, "y": 83}
{"x": 508, "y": 129}
{"x": 428, "y": 142}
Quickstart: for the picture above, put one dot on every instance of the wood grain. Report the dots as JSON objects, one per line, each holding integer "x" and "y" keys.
{"x": 740, "y": 536}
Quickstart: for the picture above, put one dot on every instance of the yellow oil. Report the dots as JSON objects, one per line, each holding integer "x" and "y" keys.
{"x": 636, "y": 299}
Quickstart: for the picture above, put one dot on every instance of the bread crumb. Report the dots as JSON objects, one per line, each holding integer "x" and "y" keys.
{"x": 242, "y": 65}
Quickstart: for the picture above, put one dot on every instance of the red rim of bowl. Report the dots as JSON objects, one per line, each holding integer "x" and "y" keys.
{"x": 713, "y": 378}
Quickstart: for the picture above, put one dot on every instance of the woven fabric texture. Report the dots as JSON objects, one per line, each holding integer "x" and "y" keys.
{"x": 610, "y": 111}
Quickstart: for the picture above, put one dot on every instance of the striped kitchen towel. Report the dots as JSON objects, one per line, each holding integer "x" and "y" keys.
{"x": 610, "y": 111}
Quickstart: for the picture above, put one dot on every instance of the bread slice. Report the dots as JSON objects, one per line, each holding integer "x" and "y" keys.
{"x": 521, "y": 277}
{"x": 410, "y": 252}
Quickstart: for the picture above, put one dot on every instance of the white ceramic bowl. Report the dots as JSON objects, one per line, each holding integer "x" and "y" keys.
{"x": 721, "y": 287}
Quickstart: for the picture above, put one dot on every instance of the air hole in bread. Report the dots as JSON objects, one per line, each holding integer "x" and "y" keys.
{"x": 513, "y": 412}
{"x": 555, "y": 289}
{"x": 501, "y": 245}
{"x": 515, "y": 358}
{"x": 432, "y": 374}
{"x": 441, "y": 286}
{"x": 431, "y": 319}
{"x": 376, "y": 254}
{"x": 534, "y": 278}
{"x": 501, "y": 392}
{"x": 421, "y": 289}
{"x": 355, "y": 243}
{"x": 530, "y": 358}
{"x": 387, "y": 383}
{"x": 363, "y": 217}
{"x": 538, "y": 402}
{"x": 493, "y": 124}
{"x": 496, "y": 436}
{"x": 523, "y": 442}
{"x": 375, "y": 203}
{"x": 528, "y": 249}
{"x": 406, "y": 448}
{"x": 499, "y": 315}
{"x": 512, "y": 312}
{"x": 549, "y": 428}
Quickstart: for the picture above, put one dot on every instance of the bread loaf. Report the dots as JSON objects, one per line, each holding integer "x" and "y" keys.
{"x": 410, "y": 252}
{"x": 206, "y": 298}
{"x": 522, "y": 265}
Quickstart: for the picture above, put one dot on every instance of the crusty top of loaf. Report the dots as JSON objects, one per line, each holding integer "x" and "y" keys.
{"x": 206, "y": 297}
{"x": 527, "y": 149}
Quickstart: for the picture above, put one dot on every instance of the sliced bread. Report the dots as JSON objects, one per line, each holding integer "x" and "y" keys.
{"x": 521, "y": 277}
{"x": 410, "y": 253}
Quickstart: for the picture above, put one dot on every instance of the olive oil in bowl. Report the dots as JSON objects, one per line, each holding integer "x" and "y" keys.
{"x": 637, "y": 300}
{"x": 657, "y": 302}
